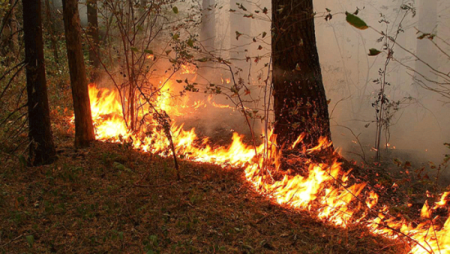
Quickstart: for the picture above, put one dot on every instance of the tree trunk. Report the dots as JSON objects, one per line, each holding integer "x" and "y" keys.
{"x": 208, "y": 29}
{"x": 9, "y": 36}
{"x": 13, "y": 26}
{"x": 41, "y": 150}
{"x": 208, "y": 35}
{"x": 84, "y": 130}
{"x": 132, "y": 74}
{"x": 300, "y": 104}
{"x": 52, "y": 30}
{"x": 93, "y": 34}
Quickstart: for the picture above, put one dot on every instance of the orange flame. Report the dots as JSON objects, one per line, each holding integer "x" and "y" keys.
{"x": 425, "y": 212}
{"x": 339, "y": 204}
{"x": 188, "y": 69}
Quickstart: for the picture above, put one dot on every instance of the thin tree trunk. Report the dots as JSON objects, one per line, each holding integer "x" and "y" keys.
{"x": 42, "y": 149}
{"x": 52, "y": 30}
{"x": 93, "y": 34}
{"x": 300, "y": 104}
{"x": 208, "y": 29}
{"x": 208, "y": 35}
{"x": 13, "y": 26}
{"x": 132, "y": 74}
{"x": 9, "y": 36}
{"x": 84, "y": 130}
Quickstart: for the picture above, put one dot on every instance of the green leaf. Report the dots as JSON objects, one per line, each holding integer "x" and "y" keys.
{"x": 134, "y": 49}
{"x": 176, "y": 36}
{"x": 148, "y": 51}
{"x": 328, "y": 10}
{"x": 30, "y": 240}
{"x": 175, "y": 10}
{"x": 264, "y": 34}
{"x": 190, "y": 42}
{"x": 374, "y": 52}
{"x": 356, "y": 21}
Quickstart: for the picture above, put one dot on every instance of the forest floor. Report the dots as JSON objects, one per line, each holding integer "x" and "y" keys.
{"x": 112, "y": 199}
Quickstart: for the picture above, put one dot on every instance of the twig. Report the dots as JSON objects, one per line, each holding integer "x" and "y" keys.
{"x": 357, "y": 139}
{"x": 13, "y": 240}
{"x": 166, "y": 125}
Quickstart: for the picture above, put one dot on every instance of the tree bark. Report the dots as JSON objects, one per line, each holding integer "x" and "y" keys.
{"x": 94, "y": 37}
{"x": 300, "y": 104}
{"x": 84, "y": 130}
{"x": 41, "y": 149}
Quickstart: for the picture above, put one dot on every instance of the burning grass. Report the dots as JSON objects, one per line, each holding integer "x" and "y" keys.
{"x": 111, "y": 198}
{"x": 358, "y": 202}
{"x": 320, "y": 185}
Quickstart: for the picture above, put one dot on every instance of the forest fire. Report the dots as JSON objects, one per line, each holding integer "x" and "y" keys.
{"x": 325, "y": 191}
{"x": 243, "y": 100}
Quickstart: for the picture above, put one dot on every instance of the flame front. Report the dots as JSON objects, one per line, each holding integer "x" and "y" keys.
{"x": 324, "y": 191}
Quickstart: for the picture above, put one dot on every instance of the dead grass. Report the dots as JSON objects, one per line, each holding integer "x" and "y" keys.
{"x": 111, "y": 199}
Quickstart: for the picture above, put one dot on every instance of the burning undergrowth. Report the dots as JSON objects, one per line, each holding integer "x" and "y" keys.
{"x": 312, "y": 183}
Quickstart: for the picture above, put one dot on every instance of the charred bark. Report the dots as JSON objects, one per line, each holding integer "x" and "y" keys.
{"x": 300, "y": 104}
{"x": 84, "y": 130}
{"x": 41, "y": 149}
